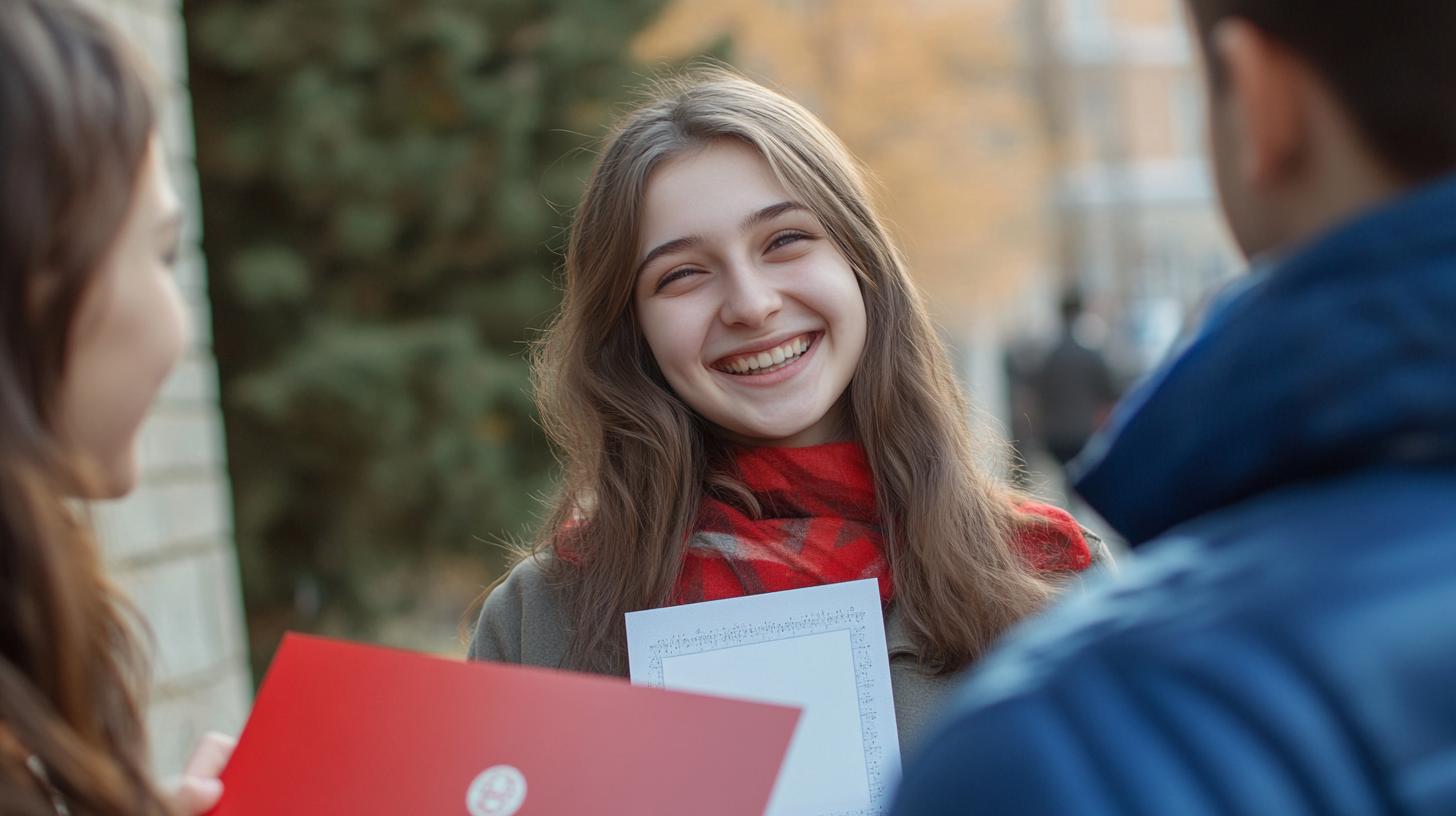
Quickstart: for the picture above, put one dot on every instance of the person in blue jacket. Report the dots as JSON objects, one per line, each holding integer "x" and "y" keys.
{"x": 1285, "y": 641}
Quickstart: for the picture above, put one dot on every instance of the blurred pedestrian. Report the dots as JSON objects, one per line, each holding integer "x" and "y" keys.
{"x": 1073, "y": 385}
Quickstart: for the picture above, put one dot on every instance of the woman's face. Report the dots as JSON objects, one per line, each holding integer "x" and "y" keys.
{"x": 130, "y": 330}
{"x": 752, "y": 313}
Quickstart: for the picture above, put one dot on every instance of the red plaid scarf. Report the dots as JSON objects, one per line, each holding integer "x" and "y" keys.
{"x": 820, "y": 526}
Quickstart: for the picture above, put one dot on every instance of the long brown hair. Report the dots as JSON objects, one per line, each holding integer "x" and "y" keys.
{"x": 637, "y": 460}
{"x": 77, "y": 127}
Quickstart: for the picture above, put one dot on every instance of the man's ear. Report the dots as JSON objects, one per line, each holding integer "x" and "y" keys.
{"x": 1266, "y": 88}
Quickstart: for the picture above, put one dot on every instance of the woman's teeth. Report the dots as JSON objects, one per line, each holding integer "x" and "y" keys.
{"x": 766, "y": 361}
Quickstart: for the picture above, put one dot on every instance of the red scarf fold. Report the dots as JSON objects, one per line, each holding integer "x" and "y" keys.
{"x": 820, "y": 526}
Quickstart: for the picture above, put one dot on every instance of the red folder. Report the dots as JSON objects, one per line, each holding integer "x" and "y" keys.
{"x": 340, "y": 728}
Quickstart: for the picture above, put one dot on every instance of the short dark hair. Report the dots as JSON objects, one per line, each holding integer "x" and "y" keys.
{"x": 1392, "y": 64}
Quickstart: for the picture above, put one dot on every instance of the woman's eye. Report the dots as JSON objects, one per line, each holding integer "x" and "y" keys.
{"x": 783, "y": 239}
{"x": 674, "y": 275}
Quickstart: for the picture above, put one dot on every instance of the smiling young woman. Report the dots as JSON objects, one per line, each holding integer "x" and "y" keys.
{"x": 748, "y": 396}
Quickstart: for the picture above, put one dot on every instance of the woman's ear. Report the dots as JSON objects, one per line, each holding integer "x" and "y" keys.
{"x": 1267, "y": 88}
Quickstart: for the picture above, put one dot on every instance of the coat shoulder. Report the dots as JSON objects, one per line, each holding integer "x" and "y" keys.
{"x": 524, "y": 618}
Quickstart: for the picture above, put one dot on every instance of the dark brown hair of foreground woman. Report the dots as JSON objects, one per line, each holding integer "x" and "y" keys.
{"x": 77, "y": 125}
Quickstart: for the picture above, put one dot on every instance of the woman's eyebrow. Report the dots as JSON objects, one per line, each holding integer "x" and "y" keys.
{"x": 675, "y": 245}
{"x": 771, "y": 212}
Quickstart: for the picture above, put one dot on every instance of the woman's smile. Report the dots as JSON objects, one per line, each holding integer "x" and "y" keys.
{"x": 771, "y": 359}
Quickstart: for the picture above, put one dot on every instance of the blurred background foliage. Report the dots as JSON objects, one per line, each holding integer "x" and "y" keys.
{"x": 385, "y": 186}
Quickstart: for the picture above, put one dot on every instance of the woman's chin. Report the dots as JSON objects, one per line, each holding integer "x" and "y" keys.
{"x": 798, "y": 435}
{"x": 110, "y": 480}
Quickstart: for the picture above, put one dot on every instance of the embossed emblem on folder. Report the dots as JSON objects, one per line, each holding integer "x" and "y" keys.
{"x": 498, "y": 791}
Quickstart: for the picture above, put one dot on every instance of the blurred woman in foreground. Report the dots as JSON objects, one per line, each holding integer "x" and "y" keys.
{"x": 91, "y": 323}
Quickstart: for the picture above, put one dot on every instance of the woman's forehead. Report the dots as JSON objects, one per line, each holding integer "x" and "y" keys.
{"x": 706, "y": 191}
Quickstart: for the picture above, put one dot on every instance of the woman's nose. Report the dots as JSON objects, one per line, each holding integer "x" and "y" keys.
{"x": 751, "y": 298}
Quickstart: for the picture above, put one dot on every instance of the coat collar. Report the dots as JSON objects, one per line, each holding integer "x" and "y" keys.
{"x": 897, "y": 635}
{"x": 1342, "y": 356}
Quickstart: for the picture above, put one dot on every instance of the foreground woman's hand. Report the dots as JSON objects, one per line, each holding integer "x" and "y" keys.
{"x": 197, "y": 790}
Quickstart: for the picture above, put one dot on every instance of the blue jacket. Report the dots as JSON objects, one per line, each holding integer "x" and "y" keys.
{"x": 1285, "y": 641}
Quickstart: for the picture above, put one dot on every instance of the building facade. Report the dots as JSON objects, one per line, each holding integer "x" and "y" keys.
{"x": 1132, "y": 203}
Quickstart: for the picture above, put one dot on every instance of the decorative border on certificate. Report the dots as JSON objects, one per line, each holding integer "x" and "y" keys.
{"x": 864, "y": 624}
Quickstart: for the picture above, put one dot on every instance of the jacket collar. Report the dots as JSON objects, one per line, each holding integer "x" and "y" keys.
{"x": 1342, "y": 356}
{"x": 897, "y": 634}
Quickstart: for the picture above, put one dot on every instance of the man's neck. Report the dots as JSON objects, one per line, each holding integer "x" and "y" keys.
{"x": 1341, "y": 186}
{"x": 1322, "y": 218}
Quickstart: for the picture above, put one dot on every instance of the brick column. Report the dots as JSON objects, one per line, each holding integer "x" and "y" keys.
{"x": 170, "y": 544}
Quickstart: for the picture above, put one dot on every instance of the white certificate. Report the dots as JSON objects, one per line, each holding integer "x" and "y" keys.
{"x": 821, "y": 649}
